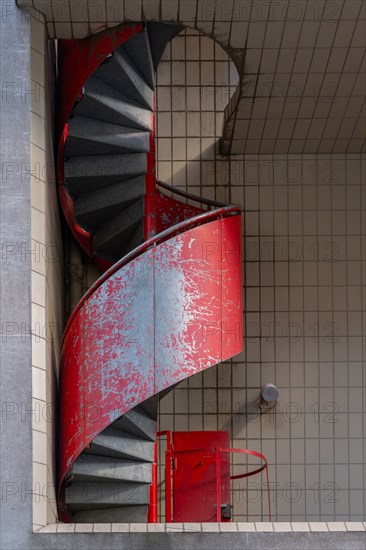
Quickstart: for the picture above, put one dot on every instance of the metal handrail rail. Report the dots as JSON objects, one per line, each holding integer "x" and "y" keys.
{"x": 186, "y": 195}
{"x": 231, "y": 450}
{"x": 197, "y": 220}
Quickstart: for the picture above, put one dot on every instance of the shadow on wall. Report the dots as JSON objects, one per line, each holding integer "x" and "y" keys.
{"x": 205, "y": 178}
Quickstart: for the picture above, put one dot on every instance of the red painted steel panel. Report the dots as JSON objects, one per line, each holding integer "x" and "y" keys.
{"x": 142, "y": 330}
{"x": 194, "y": 475}
{"x": 232, "y": 288}
{"x": 107, "y": 357}
{"x": 188, "y": 281}
{"x": 170, "y": 211}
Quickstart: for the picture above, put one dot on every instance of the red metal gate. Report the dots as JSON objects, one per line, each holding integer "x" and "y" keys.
{"x": 197, "y": 494}
{"x": 197, "y": 477}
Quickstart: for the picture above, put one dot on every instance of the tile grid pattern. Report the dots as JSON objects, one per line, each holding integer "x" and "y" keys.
{"x": 279, "y": 527}
{"x": 304, "y": 240}
{"x": 303, "y": 89}
{"x": 193, "y": 91}
{"x": 309, "y": 94}
{"x": 47, "y": 281}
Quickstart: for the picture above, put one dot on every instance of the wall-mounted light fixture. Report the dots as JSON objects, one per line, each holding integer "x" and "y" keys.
{"x": 268, "y": 397}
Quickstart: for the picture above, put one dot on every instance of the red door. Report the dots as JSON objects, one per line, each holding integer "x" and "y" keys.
{"x": 195, "y": 475}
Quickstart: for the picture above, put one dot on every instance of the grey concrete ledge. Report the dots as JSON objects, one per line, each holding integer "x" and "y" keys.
{"x": 213, "y": 536}
{"x": 240, "y": 527}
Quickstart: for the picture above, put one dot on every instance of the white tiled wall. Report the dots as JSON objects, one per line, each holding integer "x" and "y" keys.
{"x": 47, "y": 279}
{"x": 296, "y": 55}
{"x": 304, "y": 288}
{"x": 304, "y": 293}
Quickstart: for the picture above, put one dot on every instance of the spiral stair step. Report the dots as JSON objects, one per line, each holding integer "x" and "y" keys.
{"x": 84, "y": 495}
{"x": 160, "y": 34}
{"x": 100, "y": 468}
{"x": 89, "y": 137}
{"x": 113, "y": 236}
{"x": 94, "y": 208}
{"x": 115, "y": 444}
{"x": 103, "y": 102}
{"x": 84, "y": 174}
{"x": 119, "y": 71}
{"x": 137, "y": 422}
{"x": 139, "y": 51}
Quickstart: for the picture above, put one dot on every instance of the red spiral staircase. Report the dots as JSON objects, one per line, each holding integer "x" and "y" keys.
{"x": 169, "y": 303}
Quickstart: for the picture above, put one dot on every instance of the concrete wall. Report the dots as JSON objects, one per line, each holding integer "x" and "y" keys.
{"x": 305, "y": 301}
{"x": 15, "y": 280}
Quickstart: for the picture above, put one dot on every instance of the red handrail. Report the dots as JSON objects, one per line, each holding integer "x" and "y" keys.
{"x": 201, "y": 200}
{"x": 168, "y": 476}
{"x": 153, "y": 505}
{"x": 205, "y": 217}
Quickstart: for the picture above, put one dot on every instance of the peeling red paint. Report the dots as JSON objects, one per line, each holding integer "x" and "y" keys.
{"x": 140, "y": 332}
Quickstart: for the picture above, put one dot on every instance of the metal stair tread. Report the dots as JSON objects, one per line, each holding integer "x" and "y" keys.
{"x": 84, "y": 174}
{"x": 89, "y": 467}
{"x": 137, "y": 422}
{"x": 85, "y": 495}
{"x": 150, "y": 406}
{"x": 119, "y": 70}
{"x": 87, "y": 136}
{"x": 107, "y": 104}
{"x": 111, "y": 442}
{"x": 136, "y": 237}
{"x": 121, "y": 244}
{"x": 160, "y": 35}
{"x": 115, "y": 228}
{"x": 93, "y": 208}
{"x": 139, "y": 51}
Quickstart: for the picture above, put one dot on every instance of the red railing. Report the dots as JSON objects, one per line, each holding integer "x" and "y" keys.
{"x": 217, "y": 455}
{"x": 175, "y": 191}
